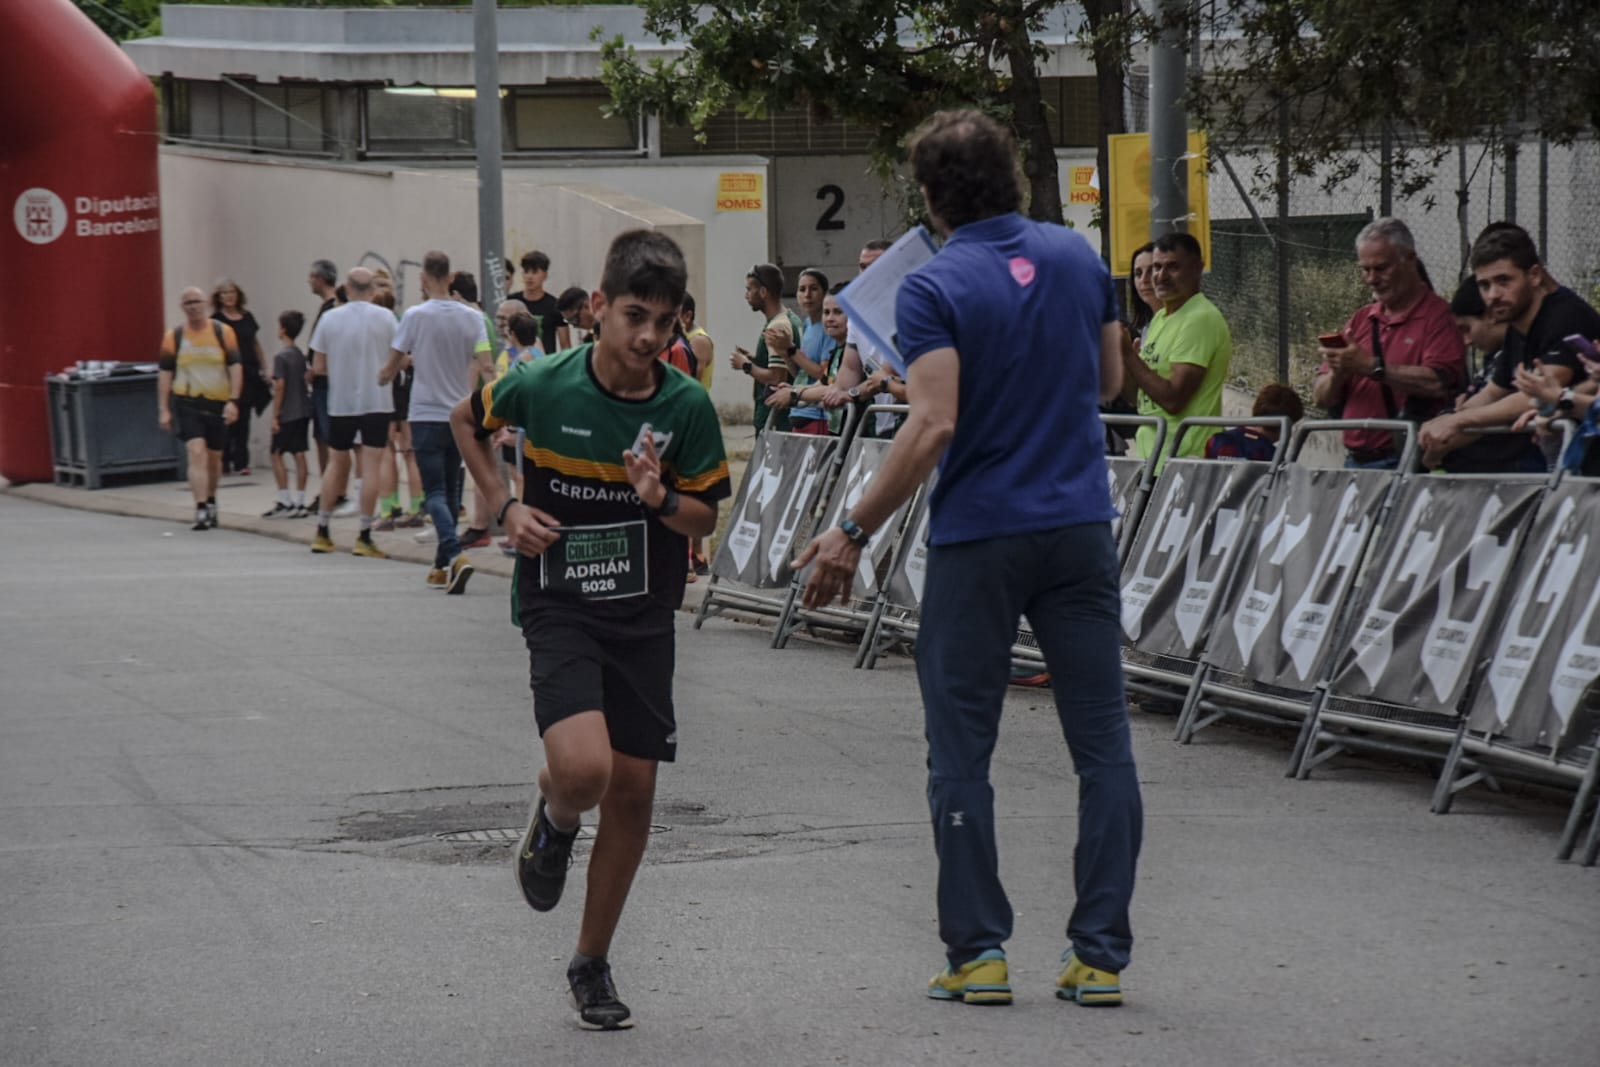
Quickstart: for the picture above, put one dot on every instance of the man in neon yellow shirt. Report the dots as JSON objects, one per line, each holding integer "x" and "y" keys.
{"x": 1183, "y": 361}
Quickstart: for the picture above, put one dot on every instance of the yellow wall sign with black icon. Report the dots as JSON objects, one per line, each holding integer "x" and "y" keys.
{"x": 740, "y": 190}
{"x": 1130, "y": 196}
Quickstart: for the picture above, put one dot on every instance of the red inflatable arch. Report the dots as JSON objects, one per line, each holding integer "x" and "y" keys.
{"x": 80, "y": 248}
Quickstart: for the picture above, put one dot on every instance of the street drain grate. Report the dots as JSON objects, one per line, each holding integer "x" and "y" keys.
{"x": 511, "y": 835}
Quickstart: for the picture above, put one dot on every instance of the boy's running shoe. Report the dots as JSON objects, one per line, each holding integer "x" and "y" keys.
{"x": 542, "y": 860}
{"x": 984, "y": 980}
{"x": 280, "y": 510}
{"x": 322, "y": 543}
{"x": 1088, "y": 985}
{"x": 595, "y": 997}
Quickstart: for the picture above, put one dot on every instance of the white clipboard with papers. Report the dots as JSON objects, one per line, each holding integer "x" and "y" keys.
{"x": 869, "y": 299}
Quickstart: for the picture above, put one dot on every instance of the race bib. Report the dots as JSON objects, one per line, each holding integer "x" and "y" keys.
{"x": 598, "y": 562}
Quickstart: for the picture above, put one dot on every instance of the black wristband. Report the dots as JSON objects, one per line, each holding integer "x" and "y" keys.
{"x": 668, "y": 506}
{"x": 750, "y": 369}
{"x": 500, "y": 519}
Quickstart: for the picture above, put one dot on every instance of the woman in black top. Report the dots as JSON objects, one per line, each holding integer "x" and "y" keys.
{"x": 228, "y": 305}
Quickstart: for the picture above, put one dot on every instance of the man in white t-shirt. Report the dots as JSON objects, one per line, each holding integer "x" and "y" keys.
{"x": 348, "y": 348}
{"x": 445, "y": 341}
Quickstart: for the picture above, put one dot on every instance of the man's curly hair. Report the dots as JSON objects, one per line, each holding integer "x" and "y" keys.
{"x": 967, "y": 162}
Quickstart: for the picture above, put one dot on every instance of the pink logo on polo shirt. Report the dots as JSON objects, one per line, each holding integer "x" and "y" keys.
{"x": 1022, "y": 271}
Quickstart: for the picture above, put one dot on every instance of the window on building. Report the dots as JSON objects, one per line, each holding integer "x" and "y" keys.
{"x": 405, "y": 120}
{"x": 247, "y": 115}
{"x": 570, "y": 118}
{"x": 1072, "y": 105}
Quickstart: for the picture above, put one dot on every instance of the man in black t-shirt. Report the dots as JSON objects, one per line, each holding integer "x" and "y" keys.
{"x": 1516, "y": 291}
{"x": 553, "y": 333}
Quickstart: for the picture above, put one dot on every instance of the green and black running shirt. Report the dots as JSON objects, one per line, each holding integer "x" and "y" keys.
{"x": 617, "y": 565}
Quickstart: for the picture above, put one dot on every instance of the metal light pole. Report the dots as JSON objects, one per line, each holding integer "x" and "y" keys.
{"x": 1169, "y": 138}
{"x": 486, "y": 124}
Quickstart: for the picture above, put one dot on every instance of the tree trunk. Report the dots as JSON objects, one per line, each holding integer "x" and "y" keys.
{"x": 1028, "y": 121}
{"x": 1110, "y": 86}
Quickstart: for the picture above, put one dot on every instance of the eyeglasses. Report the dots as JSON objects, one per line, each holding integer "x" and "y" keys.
{"x": 193, "y": 303}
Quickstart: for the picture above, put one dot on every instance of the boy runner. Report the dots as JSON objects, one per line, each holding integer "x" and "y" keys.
{"x": 623, "y": 463}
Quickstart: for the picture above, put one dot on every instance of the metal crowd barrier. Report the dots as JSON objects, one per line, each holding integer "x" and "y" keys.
{"x": 1183, "y": 556}
{"x": 860, "y": 466}
{"x": 1450, "y": 617}
{"x": 1280, "y": 616}
{"x": 894, "y": 618}
{"x": 788, "y": 478}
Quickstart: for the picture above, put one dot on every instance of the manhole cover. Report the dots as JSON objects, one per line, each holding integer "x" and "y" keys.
{"x": 511, "y": 835}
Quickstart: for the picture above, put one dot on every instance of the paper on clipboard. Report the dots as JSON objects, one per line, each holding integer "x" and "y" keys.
{"x": 869, "y": 299}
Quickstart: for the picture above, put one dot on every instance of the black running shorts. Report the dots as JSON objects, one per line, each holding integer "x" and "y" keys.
{"x": 630, "y": 680}
{"x": 292, "y": 436}
{"x": 196, "y": 416}
{"x": 372, "y": 429}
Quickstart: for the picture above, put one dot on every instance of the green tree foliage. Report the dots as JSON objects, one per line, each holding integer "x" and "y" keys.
{"x": 1318, "y": 81}
{"x": 883, "y": 65}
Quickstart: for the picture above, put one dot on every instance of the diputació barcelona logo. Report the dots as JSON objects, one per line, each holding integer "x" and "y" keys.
{"x": 40, "y": 216}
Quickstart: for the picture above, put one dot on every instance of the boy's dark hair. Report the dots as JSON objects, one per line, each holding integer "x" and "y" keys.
{"x": 1468, "y": 301}
{"x": 1179, "y": 242}
{"x": 1276, "y": 399}
{"x": 647, "y": 265}
{"x": 878, "y": 244}
{"x": 1504, "y": 241}
{"x": 688, "y": 304}
{"x": 465, "y": 285}
{"x": 524, "y": 327}
{"x": 535, "y": 260}
{"x": 436, "y": 265}
{"x": 967, "y": 163}
{"x": 571, "y": 298}
{"x": 291, "y": 323}
{"x": 822, "y": 279}
{"x": 769, "y": 277}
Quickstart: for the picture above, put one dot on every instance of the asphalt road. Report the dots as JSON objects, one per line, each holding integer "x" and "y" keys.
{"x": 225, "y": 764}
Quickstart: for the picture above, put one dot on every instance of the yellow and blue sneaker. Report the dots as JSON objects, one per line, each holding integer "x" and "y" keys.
{"x": 1088, "y": 985}
{"x": 984, "y": 980}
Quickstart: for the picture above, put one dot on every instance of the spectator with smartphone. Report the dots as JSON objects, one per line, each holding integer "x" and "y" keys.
{"x": 1400, "y": 356}
{"x": 1554, "y": 403}
{"x": 1539, "y": 317}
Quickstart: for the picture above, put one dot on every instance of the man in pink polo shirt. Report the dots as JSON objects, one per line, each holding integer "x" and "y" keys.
{"x": 1402, "y": 355}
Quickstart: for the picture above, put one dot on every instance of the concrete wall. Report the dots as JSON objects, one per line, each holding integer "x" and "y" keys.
{"x": 262, "y": 222}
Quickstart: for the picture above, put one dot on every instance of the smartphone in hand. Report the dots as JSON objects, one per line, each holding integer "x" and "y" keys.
{"x": 1332, "y": 340}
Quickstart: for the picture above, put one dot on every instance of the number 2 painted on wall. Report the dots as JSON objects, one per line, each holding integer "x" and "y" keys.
{"x": 830, "y": 215}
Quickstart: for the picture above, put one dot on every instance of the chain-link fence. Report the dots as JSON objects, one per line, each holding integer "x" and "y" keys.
{"x": 1282, "y": 274}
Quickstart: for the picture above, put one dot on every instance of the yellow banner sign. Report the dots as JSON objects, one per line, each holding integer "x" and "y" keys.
{"x": 1130, "y": 196}
{"x": 739, "y": 191}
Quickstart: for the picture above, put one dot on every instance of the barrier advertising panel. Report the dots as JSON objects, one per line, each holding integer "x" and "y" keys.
{"x": 1423, "y": 619}
{"x": 779, "y": 493}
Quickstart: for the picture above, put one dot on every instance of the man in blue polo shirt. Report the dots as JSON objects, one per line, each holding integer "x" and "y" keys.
{"x": 1020, "y": 525}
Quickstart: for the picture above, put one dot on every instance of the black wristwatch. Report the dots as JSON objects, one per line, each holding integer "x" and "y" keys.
{"x": 1376, "y": 373}
{"x": 668, "y": 506}
{"x": 750, "y": 369}
{"x": 854, "y": 392}
{"x": 1566, "y": 402}
{"x": 855, "y": 533}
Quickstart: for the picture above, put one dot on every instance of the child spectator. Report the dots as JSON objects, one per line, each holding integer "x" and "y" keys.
{"x": 291, "y": 418}
{"x": 1258, "y": 442}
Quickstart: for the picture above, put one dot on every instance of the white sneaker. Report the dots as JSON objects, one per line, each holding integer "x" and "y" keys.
{"x": 425, "y": 535}
{"x": 346, "y": 508}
